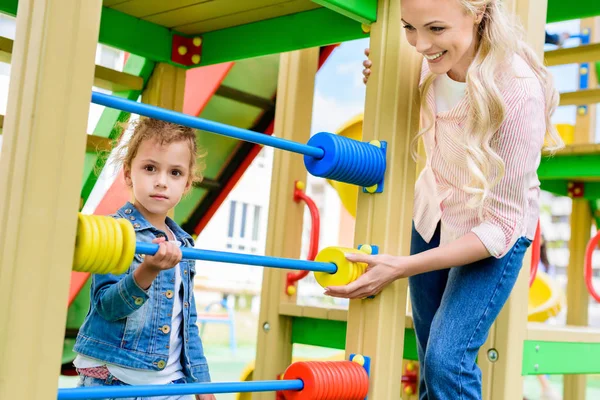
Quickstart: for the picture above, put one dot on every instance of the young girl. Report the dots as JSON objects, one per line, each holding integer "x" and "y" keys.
{"x": 486, "y": 103}
{"x": 141, "y": 327}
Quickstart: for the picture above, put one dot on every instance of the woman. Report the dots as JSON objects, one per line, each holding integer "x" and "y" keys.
{"x": 486, "y": 104}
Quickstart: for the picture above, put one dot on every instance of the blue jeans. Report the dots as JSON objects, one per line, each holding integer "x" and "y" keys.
{"x": 453, "y": 310}
{"x": 86, "y": 381}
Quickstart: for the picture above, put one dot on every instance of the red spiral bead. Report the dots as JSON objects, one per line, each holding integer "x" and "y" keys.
{"x": 328, "y": 380}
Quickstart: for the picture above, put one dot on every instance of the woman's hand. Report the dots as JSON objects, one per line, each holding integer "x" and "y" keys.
{"x": 205, "y": 397}
{"x": 382, "y": 270}
{"x": 367, "y": 64}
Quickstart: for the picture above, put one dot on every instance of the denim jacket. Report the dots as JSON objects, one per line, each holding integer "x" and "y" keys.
{"x": 129, "y": 326}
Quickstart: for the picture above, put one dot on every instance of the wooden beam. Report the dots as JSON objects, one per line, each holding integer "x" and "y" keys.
{"x": 93, "y": 144}
{"x": 244, "y": 97}
{"x": 363, "y": 11}
{"x": 376, "y": 327}
{"x": 569, "y": 333}
{"x": 580, "y": 97}
{"x": 573, "y": 55}
{"x": 104, "y": 78}
{"x": 40, "y": 177}
{"x": 293, "y": 119}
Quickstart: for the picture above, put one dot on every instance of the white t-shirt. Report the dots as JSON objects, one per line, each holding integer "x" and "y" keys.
{"x": 448, "y": 92}
{"x": 173, "y": 370}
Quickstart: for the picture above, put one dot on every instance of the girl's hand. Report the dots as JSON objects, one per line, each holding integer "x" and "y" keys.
{"x": 205, "y": 397}
{"x": 167, "y": 256}
{"x": 367, "y": 64}
{"x": 381, "y": 270}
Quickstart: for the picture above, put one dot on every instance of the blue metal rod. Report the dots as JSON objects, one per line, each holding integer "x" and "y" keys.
{"x": 119, "y": 392}
{"x": 246, "y": 259}
{"x": 205, "y": 125}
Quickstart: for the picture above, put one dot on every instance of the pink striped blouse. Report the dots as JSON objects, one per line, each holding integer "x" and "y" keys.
{"x": 512, "y": 208}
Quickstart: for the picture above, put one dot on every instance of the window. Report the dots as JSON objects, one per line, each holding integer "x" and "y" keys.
{"x": 232, "y": 207}
{"x": 256, "y": 223}
{"x": 243, "y": 227}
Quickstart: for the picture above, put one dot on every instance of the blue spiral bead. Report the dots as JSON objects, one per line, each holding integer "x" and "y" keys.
{"x": 346, "y": 160}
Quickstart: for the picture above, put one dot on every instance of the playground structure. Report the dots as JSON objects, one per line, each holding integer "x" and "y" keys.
{"x": 41, "y": 166}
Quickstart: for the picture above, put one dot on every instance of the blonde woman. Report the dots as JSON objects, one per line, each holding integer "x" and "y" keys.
{"x": 486, "y": 103}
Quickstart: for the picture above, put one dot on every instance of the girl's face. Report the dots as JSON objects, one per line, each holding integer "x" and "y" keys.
{"x": 443, "y": 32}
{"x": 159, "y": 176}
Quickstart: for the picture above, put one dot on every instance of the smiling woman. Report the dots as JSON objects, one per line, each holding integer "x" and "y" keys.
{"x": 486, "y": 104}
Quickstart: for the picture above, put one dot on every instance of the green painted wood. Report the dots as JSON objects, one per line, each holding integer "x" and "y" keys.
{"x": 277, "y": 35}
{"x": 558, "y": 358}
{"x": 561, "y": 10}
{"x": 108, "y": 124}
{"x": 567, "y": 166}
{"x": 363, "y": 11}
{"x": 124, "y": 32}
{"x": 332, "y": 334}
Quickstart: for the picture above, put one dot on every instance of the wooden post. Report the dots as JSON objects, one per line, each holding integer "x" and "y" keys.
{"x": 577, "y": 293}
{"x": 166, "y": 88}
{"x": 581, "y": 224}
{"x": 293, "y": 115}
{"x": 40, "y": 176}
{"x": 500, "y": 358}
{"x": 376, "y": 326}
{"x": 585, "y": 122}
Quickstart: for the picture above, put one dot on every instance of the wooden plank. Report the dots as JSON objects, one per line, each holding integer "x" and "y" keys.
{"x": 145, "y": 8}
{"x": 104, "y": 78}
{"x": 40, "y": 177}
{"x": 116, "y": 81}
{"x": 363, "y": 11}
{"x": 573, "y": 55}
{"x": 376, "y": 327}
{"x": 277, "y": 35}
{"x": 214, "y": 15}
{"x": 537, "y": 331}
{"x": 293, "y": 119}
{"x": 580, "y": 97}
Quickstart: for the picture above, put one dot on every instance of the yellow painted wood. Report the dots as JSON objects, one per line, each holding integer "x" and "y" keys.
{"x": 40, "y": 177}
{"x": 6, "y": 47}
{"x": 93, "y": 143}
{"x": 249, "y": 14}
{"x": 581, "y": 97}
{"x": 585, "y": 122}
{"x": 104, "y": 78}
{"x": 510, "y": 329}
{"x": 376, "y": 326}
{"x": 293, "y": 117}
{"x": 116, "y": 81}
{"x": 166, "y": 89}
{"x": 573, "y": 55}
{"x": 569, "y": 333}
{"x": 577, "y": 294}
{"x": 145, "y": 8}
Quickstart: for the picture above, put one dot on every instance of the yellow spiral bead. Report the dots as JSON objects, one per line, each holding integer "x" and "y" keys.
{"x": 347, "y": 271}
{"x": 104, "y": 245}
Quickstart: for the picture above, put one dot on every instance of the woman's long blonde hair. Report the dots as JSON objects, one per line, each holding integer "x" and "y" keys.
{"x": 499, "y": 39}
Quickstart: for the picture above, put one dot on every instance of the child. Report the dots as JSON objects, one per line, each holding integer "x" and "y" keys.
{"x": 486, "y": 103}
{"x": 141, "y": 326}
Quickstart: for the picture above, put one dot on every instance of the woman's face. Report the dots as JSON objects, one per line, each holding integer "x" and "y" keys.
{"x": 443, "y": 32}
